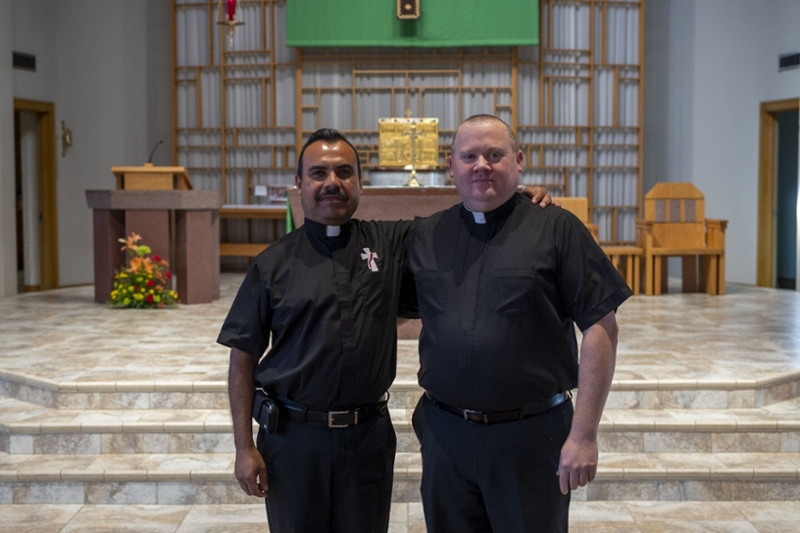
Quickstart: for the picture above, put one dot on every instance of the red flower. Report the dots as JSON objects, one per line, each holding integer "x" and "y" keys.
{"x": 149, "y": 298}
{"x": 169, "y": 276}
{"x": 135, "y": 288}
{"x": 150, "y": 282}
{"x": 156, "y": 258}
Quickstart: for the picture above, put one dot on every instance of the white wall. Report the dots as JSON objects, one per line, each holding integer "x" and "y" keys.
{"x": 33, "y": 32}
{"x": 105, "y": 64}
{"x": 100, "y": 79}
{"x": 713, "y": 66}
{"x": 8, "y": 234}
{"x": 159, "y": 80}
{"x": 668, "y": 71}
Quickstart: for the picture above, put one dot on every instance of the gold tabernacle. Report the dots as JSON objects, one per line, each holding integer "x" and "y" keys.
{"x": 408, "y": 141}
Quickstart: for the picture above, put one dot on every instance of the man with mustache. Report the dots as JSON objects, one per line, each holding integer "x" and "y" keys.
{"x": 500, "y": 288}
{"x": 327, "y": 295}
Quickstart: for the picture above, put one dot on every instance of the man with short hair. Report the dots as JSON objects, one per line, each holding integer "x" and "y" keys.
{"x": 500, "y": 287}
{"x": 327, "y": 297}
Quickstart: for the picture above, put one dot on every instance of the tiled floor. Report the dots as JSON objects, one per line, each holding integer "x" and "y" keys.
{"x": 588, "y": 517}
{"x": 683, "y": 359}
{"x": 63, "y": 336}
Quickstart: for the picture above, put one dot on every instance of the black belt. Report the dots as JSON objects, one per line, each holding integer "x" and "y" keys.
{"x": 487, "y": 418}
{"x": 333, "y": 419}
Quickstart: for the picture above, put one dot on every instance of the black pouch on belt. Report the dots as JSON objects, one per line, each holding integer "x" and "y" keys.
{"x": 266, "y": 412}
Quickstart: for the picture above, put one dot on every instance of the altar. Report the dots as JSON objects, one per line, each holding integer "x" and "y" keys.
{"x": 391, "y": 203}
{"x": 393, "y": 177}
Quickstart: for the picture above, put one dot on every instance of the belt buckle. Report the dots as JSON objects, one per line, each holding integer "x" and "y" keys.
{"x": 332, "y": 418}
{"x": 480, "y": 417}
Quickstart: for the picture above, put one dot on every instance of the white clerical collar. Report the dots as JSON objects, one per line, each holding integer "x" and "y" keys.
{"x": 480, "y": 218}
{"x": 332, "y": 231}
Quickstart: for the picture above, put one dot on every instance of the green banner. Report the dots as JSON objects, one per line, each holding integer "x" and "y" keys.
{"x": 289, "y": 217}
{"x": 442, "y": 23}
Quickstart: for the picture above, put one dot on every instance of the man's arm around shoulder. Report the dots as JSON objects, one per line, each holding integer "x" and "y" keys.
{"x": 578, "y": 464}
{"x": 250, "y": 470}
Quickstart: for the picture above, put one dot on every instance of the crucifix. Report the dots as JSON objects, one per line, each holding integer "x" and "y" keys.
{"x": 413, "y": 134}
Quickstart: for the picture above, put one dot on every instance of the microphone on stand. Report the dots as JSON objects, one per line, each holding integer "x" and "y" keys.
{"x": 150, "y": 160}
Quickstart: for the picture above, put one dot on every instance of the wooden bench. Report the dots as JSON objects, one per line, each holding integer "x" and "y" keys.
{"x": 275, "y": 213}
{"x": 626, "y": 259}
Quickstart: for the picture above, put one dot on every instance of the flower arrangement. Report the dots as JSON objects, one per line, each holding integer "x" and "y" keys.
{"x": 143, "y": 284}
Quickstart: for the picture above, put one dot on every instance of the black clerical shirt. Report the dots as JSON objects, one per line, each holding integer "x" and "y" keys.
{"x": 499, "y": 301}
{"x": 330, "y": 306}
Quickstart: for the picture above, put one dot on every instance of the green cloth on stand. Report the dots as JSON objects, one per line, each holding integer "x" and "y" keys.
{"x": 442, "y": 23}
{"x": 289, "y": 219}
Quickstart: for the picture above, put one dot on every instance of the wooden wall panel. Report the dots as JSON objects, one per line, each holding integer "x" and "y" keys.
{"x": 242, "y": 112}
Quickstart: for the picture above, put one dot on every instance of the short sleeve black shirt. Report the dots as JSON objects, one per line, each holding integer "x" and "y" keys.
{"x": 499, "y": 301}
{"x": 329, "y": 305}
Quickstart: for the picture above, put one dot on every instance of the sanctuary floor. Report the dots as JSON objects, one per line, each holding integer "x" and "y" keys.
{"x": 585, "y": 517}
{"x": 705, "y": 386}
{"x": 63, "y": 336}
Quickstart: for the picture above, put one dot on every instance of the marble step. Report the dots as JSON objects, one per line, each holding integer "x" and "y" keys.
{"x": 170, "y": 393}
{"x": 585, "y": 517}
{"x": 30, "y": 429}
{"x": 170, "y": 479}
{"x": 166, "y": 393}
{"x": 667, "y": 393}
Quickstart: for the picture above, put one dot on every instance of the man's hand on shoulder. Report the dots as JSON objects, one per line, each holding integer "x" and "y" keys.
{"x": 540, "y": 196}
{"x": 251, "y": 472}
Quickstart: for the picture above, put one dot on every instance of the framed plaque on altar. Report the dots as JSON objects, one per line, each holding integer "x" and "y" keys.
{"x": 408, "y": 141}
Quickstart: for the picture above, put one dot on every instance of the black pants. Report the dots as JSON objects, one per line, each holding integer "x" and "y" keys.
{"x": 499, "y": 478}
{"x": 329, "y": 480}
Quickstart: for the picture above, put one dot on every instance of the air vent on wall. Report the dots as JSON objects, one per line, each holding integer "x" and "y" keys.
{"x": 25, "y": 61}
{"x": 787, "y": 61}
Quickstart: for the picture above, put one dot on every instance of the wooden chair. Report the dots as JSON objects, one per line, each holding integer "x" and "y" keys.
{"x": 579, "y": 206}
{"x": 675, "y": 225}
{"x": 626, "y": 259}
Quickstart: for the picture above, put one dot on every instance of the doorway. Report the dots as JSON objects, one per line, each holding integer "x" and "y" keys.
{"x": 35, "y": 177}
{"x": 771, "y": 116}
{"x": 786, "y": 201}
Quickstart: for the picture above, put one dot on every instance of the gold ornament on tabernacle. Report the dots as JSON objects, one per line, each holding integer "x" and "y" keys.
{"x": 408, "y": 141}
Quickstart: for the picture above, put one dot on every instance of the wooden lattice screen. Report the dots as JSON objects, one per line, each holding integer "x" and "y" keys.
{"x": 241, "y": 113}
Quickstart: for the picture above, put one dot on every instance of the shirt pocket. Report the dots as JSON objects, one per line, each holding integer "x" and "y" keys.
{"x": 376, "y": 294}
{"x": 431, "y": 292}
{"x": 512, "y": 292}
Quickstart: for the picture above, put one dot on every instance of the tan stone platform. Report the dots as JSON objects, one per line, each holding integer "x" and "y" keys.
{"x": 128, "y": 409}
{"x": 585, "y": 517}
